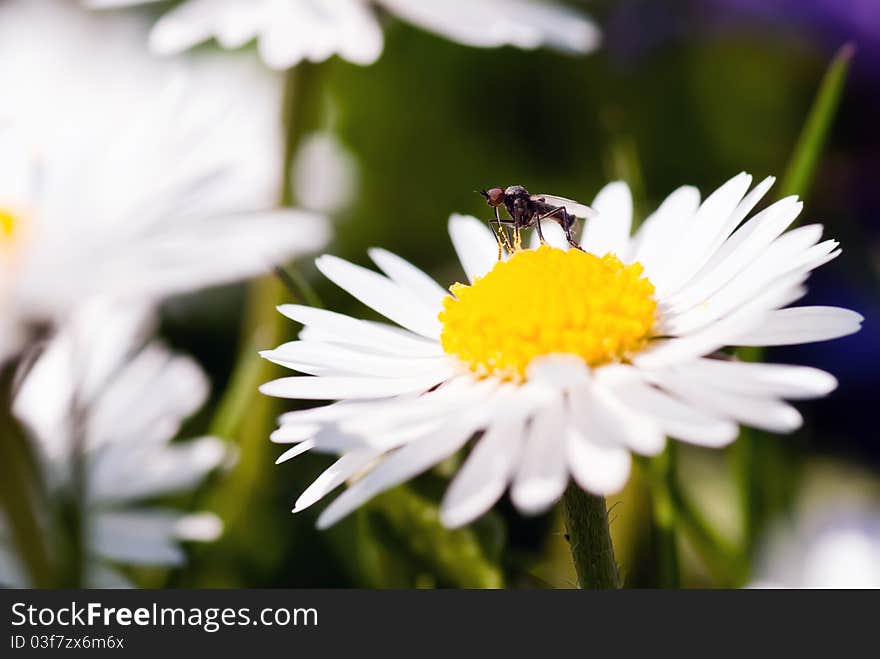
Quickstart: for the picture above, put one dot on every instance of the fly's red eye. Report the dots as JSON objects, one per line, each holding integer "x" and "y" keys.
{"x": 495, "y": 196}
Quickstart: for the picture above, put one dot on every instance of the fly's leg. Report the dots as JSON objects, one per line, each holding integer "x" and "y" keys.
{"x": 517, "y": 229}
{"x": 538, "y": 228}
{"x": 500, "y": 235}
{"x": 567, "y": 223}
{"x": 501, "y": 238}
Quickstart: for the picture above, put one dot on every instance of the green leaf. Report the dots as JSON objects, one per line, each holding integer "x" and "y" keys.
{"x": 410, "y": 524}
{"x": 805, "y": 159}
{"x": 19, "y": 494}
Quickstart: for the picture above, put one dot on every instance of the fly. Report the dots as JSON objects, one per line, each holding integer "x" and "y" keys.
{"x": 527, "y": 210}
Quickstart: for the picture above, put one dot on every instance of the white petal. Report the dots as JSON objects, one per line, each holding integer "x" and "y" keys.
{"x": 295, "y": 451}
{"x": 334, "y": 388}
{"x": 327, "y": 438}
{"x": 334, "y": 476}
{"x": 760, "y": 284}
{"x": 143, "y": 537}
{"x": 721, "y": 333}
{"x": 674, "y": 417}
{"x": 429, "y": 443}
{"x": 493, "y": 23}
{"x": 475, "y": 245}
{"x": 742, "y": 209}
{"x": 381, "y": 294}
{"x": 598, "y": 414}
{"x": 296, "y": 31}
{"x": 183, "y": 27}
{"x": 597, "y": 465}
{"x": 295, "y": 432}
{"x": 323, "y": 413}
{"x": 237, "y": 23}
{"x": 559, "y": 371}
{"x": 148, "y": 399}
{"x": 409, "y": 277}
{"x": 743, "y": 248}
{"x": 801, "y": 325}
{"x": 692, "y": 251}
{"x": 484, "y": 476}
{"x": 251, "y": 244}
{"x": 403, "y": 464}
{"x": 140, "y": 471}
{"x": 198, "y": 527}
{"x": 384, "y": 420}
{"x": 758, "y": 411}
{"x": 609, "y": 231}
{"x": 87, "y": 351}
{"x": 779, "y": 380}
{"x": 661, "y": 231}
{"x": 542, "y": 474}
{"x": 346, "y": 361}
{"x": 345, "y": 329}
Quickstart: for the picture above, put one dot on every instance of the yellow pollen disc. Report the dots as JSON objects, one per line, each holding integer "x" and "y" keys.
{"x": 549, "y": 301}
{"x": 7, "y": 225}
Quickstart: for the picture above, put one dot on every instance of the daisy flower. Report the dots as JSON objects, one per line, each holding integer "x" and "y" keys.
{"x": 99, "y": 395}
{"x": 124, "y": 174}
{"x": 558, "y": 362}
{"x": 289, "y": 31}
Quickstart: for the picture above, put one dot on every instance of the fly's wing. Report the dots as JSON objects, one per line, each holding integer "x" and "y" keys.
{"x": 571, "y": 206}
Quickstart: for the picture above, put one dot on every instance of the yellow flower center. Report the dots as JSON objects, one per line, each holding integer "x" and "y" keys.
{"x": 549, "y": 301}
{"x": 8, "y": 223}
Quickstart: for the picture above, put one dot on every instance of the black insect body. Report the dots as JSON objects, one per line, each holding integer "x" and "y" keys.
{"x": 529, "y": 210}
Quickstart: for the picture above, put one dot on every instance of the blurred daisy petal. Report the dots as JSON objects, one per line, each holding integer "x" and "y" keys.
{"x": 289, "y": 31}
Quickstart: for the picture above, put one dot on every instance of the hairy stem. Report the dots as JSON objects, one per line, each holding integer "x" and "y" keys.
{"x": 586, "y": 524}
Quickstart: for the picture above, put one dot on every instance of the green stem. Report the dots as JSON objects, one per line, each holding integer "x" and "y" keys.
{"x": 752, "y": 493}
{"x": 71, "y": 513}
{"x": 18, "y": 495}
{"x": 663, "y": 470}
{"x": 586, "y": 523}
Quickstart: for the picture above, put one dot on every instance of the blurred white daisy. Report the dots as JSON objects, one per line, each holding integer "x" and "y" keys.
{"x": 124, "y": 174}
{"x": 830, "y": 547}
{"x": 560, "y": 362}
{"x": 99, "y": 394}
{"x": 289, "y": 31}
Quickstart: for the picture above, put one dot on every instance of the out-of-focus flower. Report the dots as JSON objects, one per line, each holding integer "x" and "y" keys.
{"x": 831, "y": 546}
{"x": 289, "y": 31}
{"x": 100, "y": 398}
{"x": 565, "y": 361}
{"x": 125, "y": 174}
{"x": 325, "y": 174}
